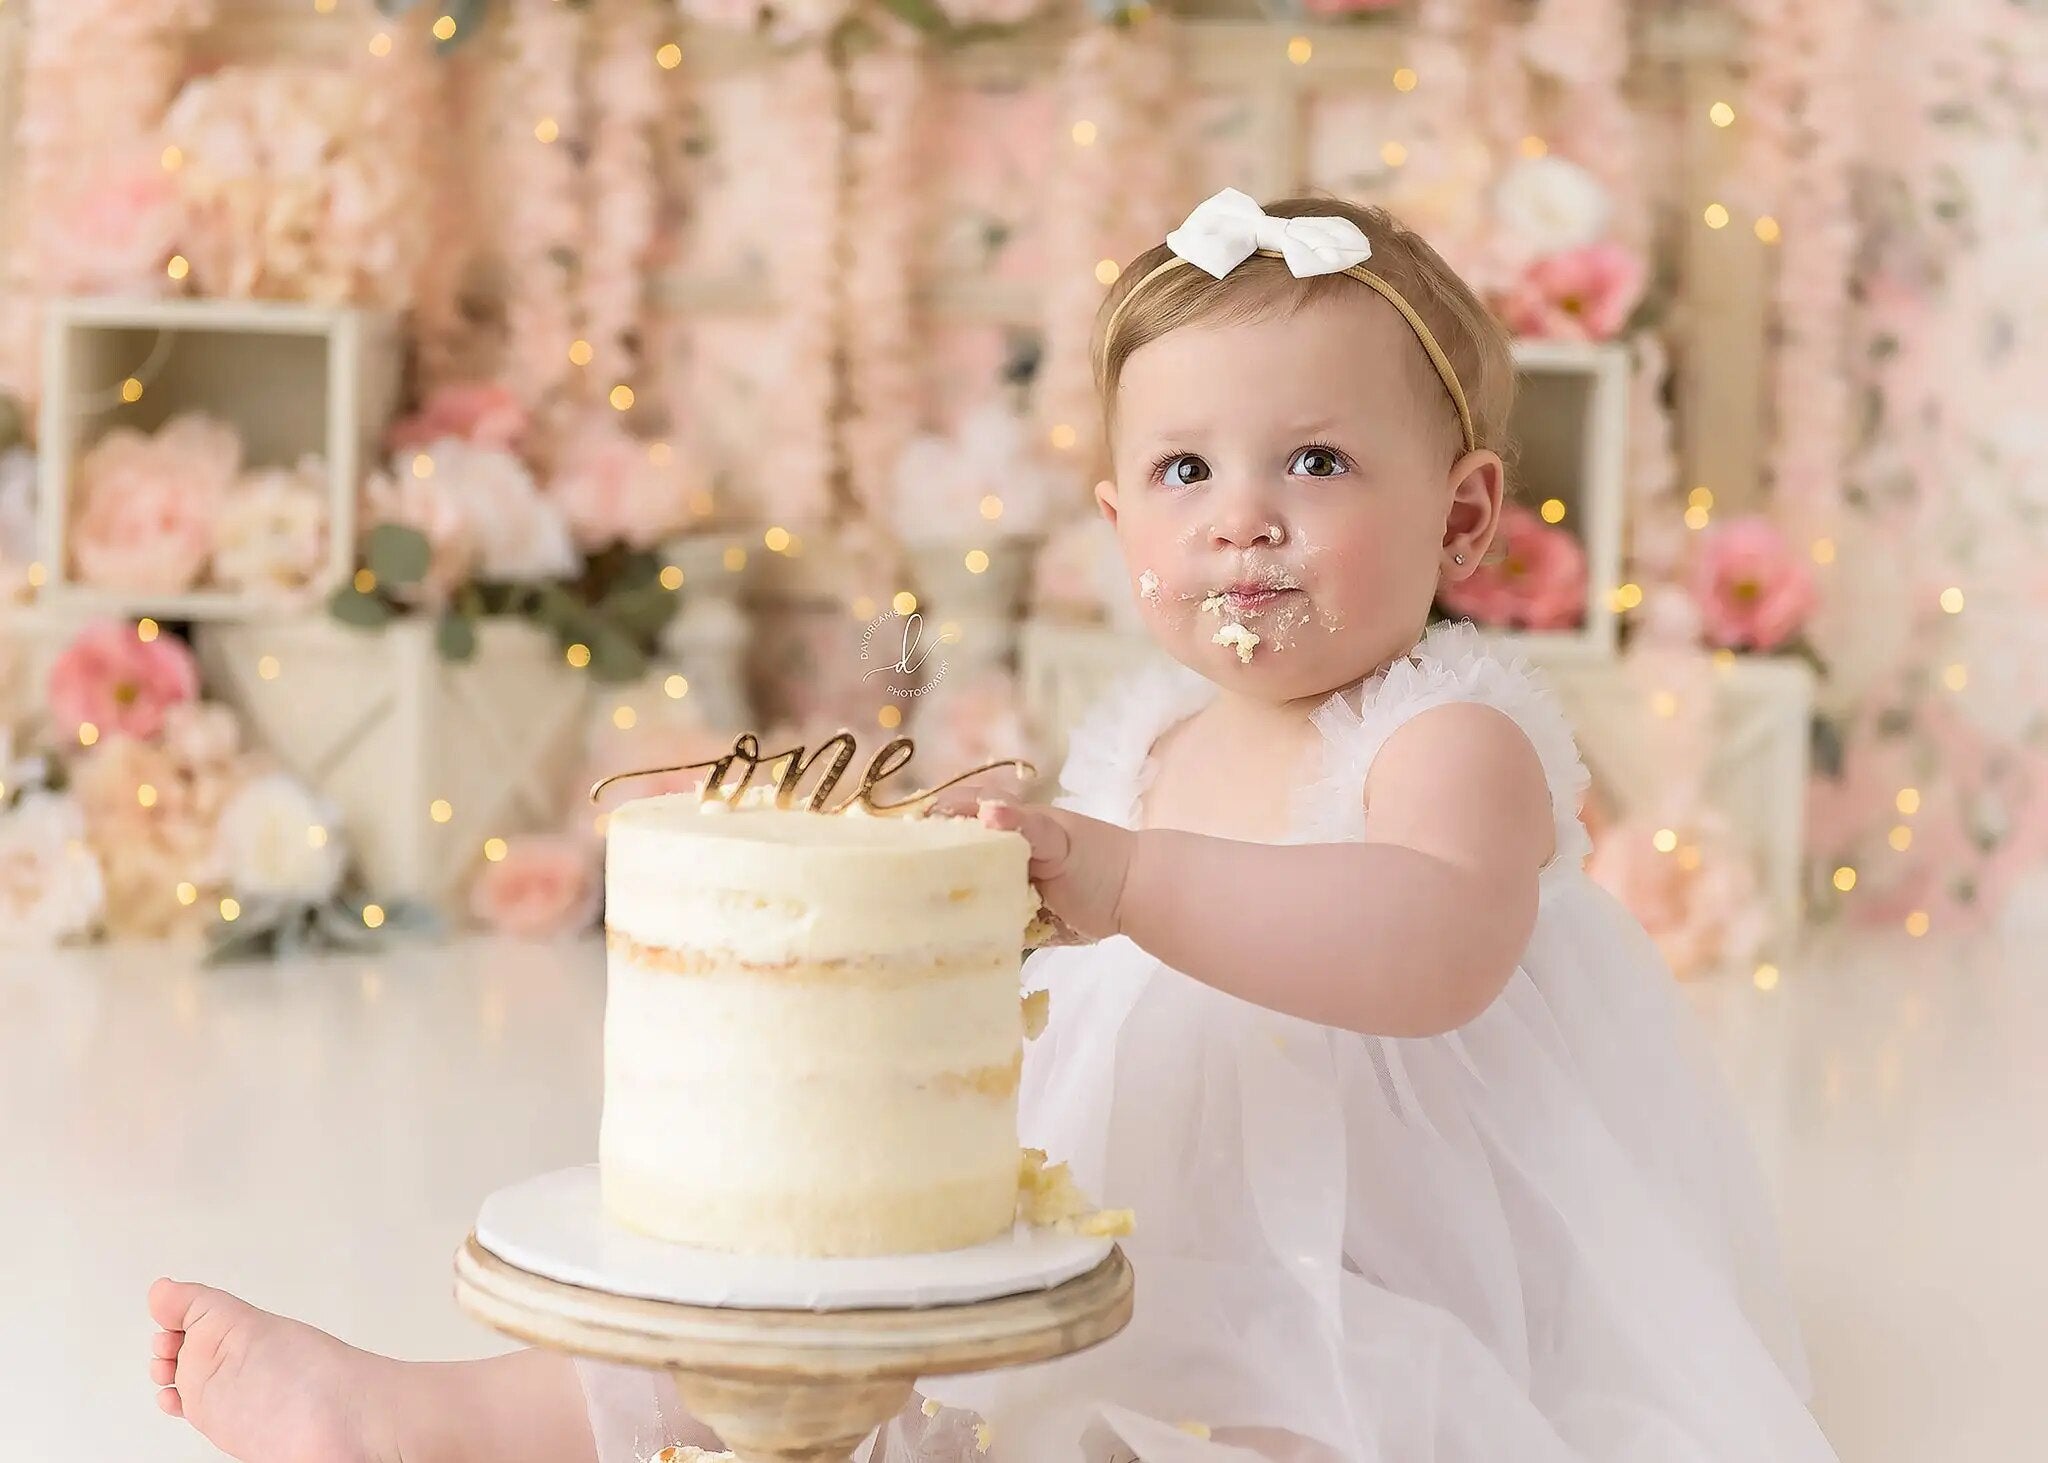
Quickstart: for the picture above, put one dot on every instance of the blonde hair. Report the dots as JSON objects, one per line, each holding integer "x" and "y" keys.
{"x": 1475, "y": 345}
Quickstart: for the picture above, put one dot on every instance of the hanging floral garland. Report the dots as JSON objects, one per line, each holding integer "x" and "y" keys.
{"x": 1103, "y": 86}
{"x": 886, "y": 85}
{"x": 1811, "y": 437}
{"x": 800, "y": 463}
{"x": 626, "y": 104}
{"x": 544, "y": 225}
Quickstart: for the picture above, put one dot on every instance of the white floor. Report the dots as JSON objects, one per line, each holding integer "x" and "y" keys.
{"x": 318, "y": 1138}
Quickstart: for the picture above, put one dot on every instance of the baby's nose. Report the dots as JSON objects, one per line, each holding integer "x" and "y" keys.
{"x": 1247, "y": 529}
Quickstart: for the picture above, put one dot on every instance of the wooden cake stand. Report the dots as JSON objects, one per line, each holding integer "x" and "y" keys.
{"x": 789, "y": 1386}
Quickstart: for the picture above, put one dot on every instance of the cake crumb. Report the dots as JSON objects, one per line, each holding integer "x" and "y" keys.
{"x": 1239, "y": 637}
{"x": 1037, "y": 1011}
{"x": 1048, "y": 1198}
{"x": 1148, "y": 585}
{"x": 931, "y": 1407}
{"x": 1047, "y": 1193}
{"x": 984, "y": 1437}
{"x": 1213, "y": 605}
{"x": 675, "y": 1454}
{"x": 1195, "y": 1429}
{"x": 1102, "y": 1224}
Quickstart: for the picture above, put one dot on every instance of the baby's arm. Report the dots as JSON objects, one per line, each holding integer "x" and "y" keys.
{"x": 1410, "y": 933}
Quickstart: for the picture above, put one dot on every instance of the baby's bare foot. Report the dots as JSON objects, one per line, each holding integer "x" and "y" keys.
{"x": 263, "y": 1388}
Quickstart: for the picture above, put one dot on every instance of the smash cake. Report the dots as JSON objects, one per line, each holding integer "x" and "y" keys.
{"x": 813, "y": 1029}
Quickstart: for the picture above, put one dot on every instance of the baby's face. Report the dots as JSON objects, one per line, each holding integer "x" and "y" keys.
{"x": 1282, "y": 493}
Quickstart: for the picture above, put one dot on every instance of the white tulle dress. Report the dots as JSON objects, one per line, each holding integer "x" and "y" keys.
{"x": 1540, "y": 1237}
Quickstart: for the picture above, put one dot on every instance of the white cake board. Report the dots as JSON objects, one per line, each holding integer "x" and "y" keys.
{"x": 554, "y": 1226}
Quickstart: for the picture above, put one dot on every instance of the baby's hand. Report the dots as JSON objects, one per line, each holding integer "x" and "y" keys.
{"x": 1078, "y": 863}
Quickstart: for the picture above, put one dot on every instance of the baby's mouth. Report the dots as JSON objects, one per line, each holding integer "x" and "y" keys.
{"x": 1250, "y": 597}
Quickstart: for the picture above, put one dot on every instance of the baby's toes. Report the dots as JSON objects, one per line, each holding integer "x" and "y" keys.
{"x": 168, "y": 1400}
{"x": 166, "y": 1343}
{"x": 163, "y": 1371}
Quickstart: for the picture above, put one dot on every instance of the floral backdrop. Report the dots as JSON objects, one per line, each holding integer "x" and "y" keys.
{"x": 779, "y": 280}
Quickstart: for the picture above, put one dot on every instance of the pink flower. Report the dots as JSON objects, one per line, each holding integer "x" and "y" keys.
{"x": 112, "y": 233}
{"x": 612, "y": 492}
{"x": 1699, "y": 902}
{"x": 544, "y": 887}
{"x": 147, "y": 505}
{"x": 1754, "y": 591}
{"x": 1582, "y": 294}
{"x": 1539, "y": 583}
{"x": 482, "y": 414}
{"x": 122, "y": 685}
{"x": 1348, "y": 7}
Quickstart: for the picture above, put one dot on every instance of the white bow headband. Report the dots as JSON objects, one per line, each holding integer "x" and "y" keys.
{"x": 1227, "y": 228}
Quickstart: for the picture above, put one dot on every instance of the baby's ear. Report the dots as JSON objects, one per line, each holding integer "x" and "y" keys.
{"x": 1105, "y": 499}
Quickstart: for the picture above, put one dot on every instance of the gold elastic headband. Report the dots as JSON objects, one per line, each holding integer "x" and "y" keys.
{"x": 1444, "y": 370}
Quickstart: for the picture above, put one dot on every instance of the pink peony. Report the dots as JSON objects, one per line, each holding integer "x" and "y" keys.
{"x": 111, "y": 234}
{"x": 612, "y": 492}
{"x": 147, "y": 505}
{"x": 1582, "y": 294}
{"x": 482, "y": 414}
{"x": 1699, "y": 902}
{"x": 122, "y": 685}
{"x": 1539, "y": 583}
{"x": 1754, "y": 590}
{"x": 544, "y": 887}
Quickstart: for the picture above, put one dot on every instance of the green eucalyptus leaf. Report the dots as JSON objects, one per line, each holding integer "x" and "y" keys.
{"x": 455, "y": 637}
{"x": 642, "y": 612}
{"x": 398, "y": 554}
{"x": 923, "y": 14}
{"x": 352, "y": 607}
{"x": 230, "y": 943}
{"x": 614, "y": 657}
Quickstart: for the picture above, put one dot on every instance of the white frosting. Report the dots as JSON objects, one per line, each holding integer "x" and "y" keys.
{"x": 812, "y": 1026}
{"x": 769, "y": 886}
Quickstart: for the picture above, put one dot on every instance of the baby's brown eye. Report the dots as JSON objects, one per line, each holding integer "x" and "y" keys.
{"x": 1186, "y": 470}
{"x": 1317, "y": 462}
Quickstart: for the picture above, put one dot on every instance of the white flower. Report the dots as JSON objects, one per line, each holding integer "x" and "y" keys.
{"x": 521, "y": 534}
{"x": 1549, "y": 204}
{"x": 267, "y": 843}
{"x": 272, "y": 533}
{"x": 943, "y": 482}
{"x": 50, "y": 886}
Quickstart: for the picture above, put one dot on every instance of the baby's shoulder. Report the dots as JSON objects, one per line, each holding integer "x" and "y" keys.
{"x": 1473, "y": 702}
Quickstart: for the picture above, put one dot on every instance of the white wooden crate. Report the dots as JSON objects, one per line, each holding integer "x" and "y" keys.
{"x": 291, "y": 379}
{"x": 1570, "y": 428}
{"x": 385, "y": 728}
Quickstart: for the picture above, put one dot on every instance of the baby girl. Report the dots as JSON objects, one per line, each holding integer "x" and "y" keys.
{"x": 1426, "y": 1161}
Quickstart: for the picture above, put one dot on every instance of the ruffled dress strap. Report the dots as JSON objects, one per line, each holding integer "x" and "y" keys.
{"x": 1109, "y": 753}
{"x": 1453, "y": 662}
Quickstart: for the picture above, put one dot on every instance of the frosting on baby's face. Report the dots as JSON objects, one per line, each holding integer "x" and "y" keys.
{"x": 1283, "y": 491}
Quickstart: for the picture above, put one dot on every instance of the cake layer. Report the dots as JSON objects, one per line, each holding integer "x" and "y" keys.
{"x": 837, "y": 1135}
{"x": 660, "y": 1027}
{"x": 775, "y": 887}
{"x": 801, "y": 1221}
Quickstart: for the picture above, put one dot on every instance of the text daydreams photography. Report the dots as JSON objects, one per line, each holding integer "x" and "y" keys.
{"x": 1046, "y": 731}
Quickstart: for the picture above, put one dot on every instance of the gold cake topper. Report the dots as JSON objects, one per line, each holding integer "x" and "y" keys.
{"x": 746, "y": 749}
